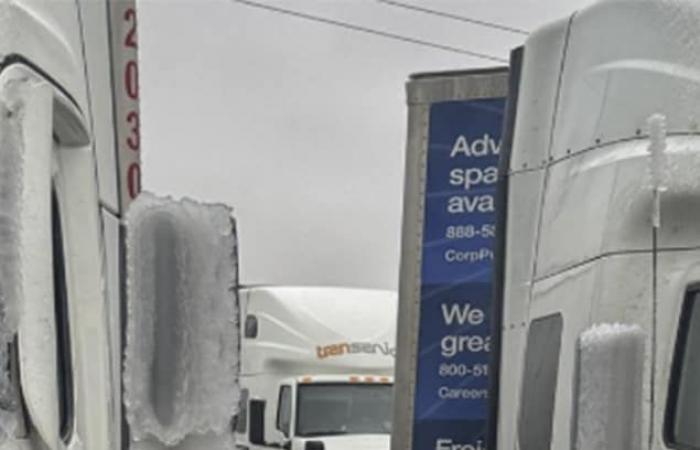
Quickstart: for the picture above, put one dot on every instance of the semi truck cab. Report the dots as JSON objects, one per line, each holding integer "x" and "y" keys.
{"x": 335, "y": 411}
{"x": 598, "y": 259}
{"x": 316, "y": 368}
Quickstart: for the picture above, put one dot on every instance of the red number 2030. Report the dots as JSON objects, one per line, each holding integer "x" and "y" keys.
{"x": 131, "y": 86}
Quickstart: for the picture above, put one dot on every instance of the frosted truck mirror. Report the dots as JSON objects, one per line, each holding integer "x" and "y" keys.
{"x": 609, "y": 379}
{"x": 181, "y": 356}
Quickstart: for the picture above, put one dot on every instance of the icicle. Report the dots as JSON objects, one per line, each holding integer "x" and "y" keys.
{"x": 657, "y": 163}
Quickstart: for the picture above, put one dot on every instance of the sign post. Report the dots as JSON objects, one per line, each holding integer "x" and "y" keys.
{"x": 442, "y": 379}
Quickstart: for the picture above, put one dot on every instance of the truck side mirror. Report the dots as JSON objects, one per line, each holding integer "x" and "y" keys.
{"x": 314, "y": 445}
{"x": 181, "y": 354}
{"x": 609, "y": 380}
{"x": 256, "y": 434}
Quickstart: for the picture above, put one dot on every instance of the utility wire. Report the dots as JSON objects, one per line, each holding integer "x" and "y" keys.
{"x": 363, "y": 29}
{"x": 446, "y": 15}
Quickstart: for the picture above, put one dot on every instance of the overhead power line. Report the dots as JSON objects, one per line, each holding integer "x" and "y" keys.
{"x": 367, "y": 30}
{"x": 446, "y": 15}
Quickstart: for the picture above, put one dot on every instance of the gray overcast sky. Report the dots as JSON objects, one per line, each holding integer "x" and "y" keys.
{"x": 301, "y": 126}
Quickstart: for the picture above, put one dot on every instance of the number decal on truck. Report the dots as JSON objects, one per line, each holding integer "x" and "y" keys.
{"x": 134, "y": 139}
{"x": 130, "y": 18}
{"x": 124, "y": 26}
{"x": 131, "y": 80}
{"x": 134, "y": 183}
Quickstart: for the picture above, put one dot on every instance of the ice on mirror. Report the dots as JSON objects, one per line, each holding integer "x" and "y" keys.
{"x": 609, "y": 387}
{"x": 181, "y": 358}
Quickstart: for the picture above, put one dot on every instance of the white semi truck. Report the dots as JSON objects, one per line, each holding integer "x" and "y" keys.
{"x": 597, "y": 261}
{"x": 600, "y": 225}
{"x": 69, "y": 168}
{"x": 317, "y": 368}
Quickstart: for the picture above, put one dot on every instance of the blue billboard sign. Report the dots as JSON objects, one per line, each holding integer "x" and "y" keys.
{"x": 451, "y": 399}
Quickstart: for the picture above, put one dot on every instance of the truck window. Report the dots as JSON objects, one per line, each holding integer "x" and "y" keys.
{"x": 251, "y": 327}
{"x": 334, "y": 409}
{"x": 684, "y": 402}
{"x": 242, "y": 418}
{"x": 256, "y": 412}
{"x": 284, "y": 411}
{"x": 540, "y": 382}
{"x": 63, "y": 345}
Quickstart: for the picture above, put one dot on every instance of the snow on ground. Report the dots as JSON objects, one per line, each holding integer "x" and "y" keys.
{"x": 181, "y": 361}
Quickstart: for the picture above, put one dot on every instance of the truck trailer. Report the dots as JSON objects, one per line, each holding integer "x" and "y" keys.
{"x": 317, "y": 368}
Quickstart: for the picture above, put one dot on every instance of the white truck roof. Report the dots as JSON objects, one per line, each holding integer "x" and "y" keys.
{"x": 318, "y": 330}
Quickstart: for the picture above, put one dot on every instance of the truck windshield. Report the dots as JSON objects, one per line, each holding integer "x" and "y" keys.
{"x": 334, "y": 409}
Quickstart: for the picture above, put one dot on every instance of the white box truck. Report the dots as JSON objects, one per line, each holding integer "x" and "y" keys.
{"x": 317, "y": 368}
{"x": 597, "y": 301}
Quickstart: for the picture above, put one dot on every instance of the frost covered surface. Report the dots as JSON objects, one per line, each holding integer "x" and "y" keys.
{"x": 658, "y": 169}
{"x": 680, "y": 165}
{"x": 680, "y": 20}
{"x": 609, "y": 404}
{"x": 12, "y": 107}
{"x": 198, "y": 442}
{"x": 11, "y": 176}
{"x": 673, "y": 24}
{"x": 181, "y": 361}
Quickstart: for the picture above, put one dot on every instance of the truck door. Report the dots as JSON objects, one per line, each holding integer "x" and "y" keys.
{"x": 61, "y": 349}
